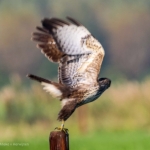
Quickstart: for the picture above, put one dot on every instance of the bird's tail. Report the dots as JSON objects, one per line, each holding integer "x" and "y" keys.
{"x": 55, "y": 89}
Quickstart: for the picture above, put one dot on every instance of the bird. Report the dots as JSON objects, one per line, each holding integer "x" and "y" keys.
{"x": 79, "y": 56}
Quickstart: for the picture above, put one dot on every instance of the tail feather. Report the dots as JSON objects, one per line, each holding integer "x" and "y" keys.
{"x": 55, "y": 89}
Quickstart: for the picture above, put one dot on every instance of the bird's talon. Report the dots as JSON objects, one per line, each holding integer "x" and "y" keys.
{"x": 62, "y": 129}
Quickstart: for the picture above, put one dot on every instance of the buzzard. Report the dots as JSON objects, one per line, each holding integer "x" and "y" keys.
{"x": 79, "y": 56}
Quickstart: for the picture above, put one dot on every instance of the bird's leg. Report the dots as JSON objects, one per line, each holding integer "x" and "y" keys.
{"x": 62, "y": 127}
{"x": 62, "y": 124}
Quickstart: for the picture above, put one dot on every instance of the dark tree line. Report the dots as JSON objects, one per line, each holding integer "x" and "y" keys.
{"x": 121, "y": 26}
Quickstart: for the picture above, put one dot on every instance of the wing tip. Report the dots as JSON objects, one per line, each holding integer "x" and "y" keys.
{"x": 39, "y": 79}
{"x": 74, "y": 21}
{"x": 31, "y": 76}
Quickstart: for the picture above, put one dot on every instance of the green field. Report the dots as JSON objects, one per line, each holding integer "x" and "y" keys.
{"x": 125, "y": 140}
{"x": 118, "y": 120}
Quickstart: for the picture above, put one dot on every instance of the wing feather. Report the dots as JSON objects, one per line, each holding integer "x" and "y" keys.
{"x": 79, "y": 54}
{"x": 68, "y": 68}
{"x": 47, "y": 45}
{"x": 67, "y": 35}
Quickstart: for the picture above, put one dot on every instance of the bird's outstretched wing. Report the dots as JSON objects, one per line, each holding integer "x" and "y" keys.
{"x": 47, "y": 44}
{"x": 79, "y": 54}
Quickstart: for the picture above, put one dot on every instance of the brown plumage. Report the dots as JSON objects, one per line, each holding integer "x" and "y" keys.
{"x": 79, "y": 56}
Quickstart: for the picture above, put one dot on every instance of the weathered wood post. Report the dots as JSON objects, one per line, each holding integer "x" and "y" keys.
{"x": 59, "y": 140}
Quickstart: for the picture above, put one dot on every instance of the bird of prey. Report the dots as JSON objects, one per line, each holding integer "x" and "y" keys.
{"x": 79, "y": 56}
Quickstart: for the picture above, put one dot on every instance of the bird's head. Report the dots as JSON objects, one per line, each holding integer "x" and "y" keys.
{"x": 104, "y": 83}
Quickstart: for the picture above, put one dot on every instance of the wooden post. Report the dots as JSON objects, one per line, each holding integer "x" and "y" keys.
{"x": 59, "y": 140}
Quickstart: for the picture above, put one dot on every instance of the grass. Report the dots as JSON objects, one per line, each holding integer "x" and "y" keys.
{"x": 113, "y": 141}
{"x": 118, "y": 120}
{"x": 123, "y": 106}
{"x": 104, "y": 140}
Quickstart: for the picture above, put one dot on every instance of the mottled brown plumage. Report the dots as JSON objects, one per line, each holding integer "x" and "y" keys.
{"x": 79, "y": 56}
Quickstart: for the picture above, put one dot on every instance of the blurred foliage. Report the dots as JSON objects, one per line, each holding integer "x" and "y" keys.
{"x": 123, "y": 29}
{"x": 121, "y": 26}
{"x": 123, "y": 106}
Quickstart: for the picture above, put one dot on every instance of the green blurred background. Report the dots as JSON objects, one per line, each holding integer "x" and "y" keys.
{"x": 119, "y": 119}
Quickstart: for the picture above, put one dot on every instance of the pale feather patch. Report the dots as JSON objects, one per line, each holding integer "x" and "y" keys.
{"x": 87, "y": 63}
{"x": 65, "y": 101}
{"x": 53, "y": 90}
{"x": 69, "y": 39}
{"x": 102, "y": 51}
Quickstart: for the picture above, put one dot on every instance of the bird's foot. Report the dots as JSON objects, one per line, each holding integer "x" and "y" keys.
{"x": 62, "y": 129}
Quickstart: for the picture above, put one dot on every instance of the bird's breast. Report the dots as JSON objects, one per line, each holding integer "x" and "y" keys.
{"x": 90, "y": 95}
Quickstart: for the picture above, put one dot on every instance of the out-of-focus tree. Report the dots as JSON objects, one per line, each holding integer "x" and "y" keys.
{"x": 129, "y": 42}
{"x": 121, "y": 26}
{"x": 15, "y": 47}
